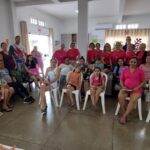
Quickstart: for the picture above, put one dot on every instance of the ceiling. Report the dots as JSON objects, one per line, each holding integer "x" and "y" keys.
{"x": 65, "y": 9}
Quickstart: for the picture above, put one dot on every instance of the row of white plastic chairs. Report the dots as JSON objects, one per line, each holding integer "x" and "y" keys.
{"x": 55, "y": 93}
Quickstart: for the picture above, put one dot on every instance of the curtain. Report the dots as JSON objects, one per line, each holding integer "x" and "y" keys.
{"x": 111, "y": 36}
{"x": 24, "y": 35}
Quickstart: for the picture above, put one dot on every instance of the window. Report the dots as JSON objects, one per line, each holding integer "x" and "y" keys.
{"x": 41, "y": 23}
{"x": 124, "y": 26}
{"x": 33, "y": 21}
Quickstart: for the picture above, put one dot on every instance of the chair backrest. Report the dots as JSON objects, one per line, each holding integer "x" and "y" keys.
{"x": 103, "y": 75}
{"x": 69, "y": 75}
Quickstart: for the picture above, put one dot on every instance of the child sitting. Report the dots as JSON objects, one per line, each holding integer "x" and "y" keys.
{"x": 97, "y": 83}
{"x": 74, "y": 82}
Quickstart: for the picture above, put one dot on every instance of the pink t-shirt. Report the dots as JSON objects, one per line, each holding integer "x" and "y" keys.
{"x": 97, "y": 81}
{"x": 73, "y": 53}
{"x": 99, "y": 53}
{"x": 146, "y": 71}
{"x": 117, "y": 54}
{"x": 129, "y": 55}
{"x": 60, "y": 55}
{"x": 132, "y": 79}
{"x": 140, "y": 55}
{"x": 107, "y": 58}
{"x": 91, "y": 56}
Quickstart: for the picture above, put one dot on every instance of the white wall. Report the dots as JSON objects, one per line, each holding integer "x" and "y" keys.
{"x": 24, "y": 13}
{"x": 5, "y": 27}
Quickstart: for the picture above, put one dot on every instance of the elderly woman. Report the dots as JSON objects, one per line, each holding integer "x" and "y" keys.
{"x": 146, "y": 68}
{"x": 132, "y": 80}
{"x": 52, "y": 75}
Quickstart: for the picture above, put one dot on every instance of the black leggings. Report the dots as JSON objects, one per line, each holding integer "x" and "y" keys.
{"x": 19, "y": 89}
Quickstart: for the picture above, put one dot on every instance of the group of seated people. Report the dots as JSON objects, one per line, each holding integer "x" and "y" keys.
{"x": 130, "y": 70}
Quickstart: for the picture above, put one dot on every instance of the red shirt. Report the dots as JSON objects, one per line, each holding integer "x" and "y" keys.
{"x": 91, "y": 55}
{"x": 60, "y": 55}
{"x": 140, "y": 55}
{"x": 107, "y": 57}
{"x": 99, "y": 53}
{"x": 118, "y": 54}
{"x": 129, "y": 55}
{"x": 73, "y": 53}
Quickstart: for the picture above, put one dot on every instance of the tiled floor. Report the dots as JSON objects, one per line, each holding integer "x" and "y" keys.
{"x": 69, "y": 129}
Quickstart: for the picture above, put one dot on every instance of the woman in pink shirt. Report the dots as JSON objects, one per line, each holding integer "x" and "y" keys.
{"x": 141, "y": 54}
{"x": 132, "y": 80}
{"x": 36, "y": 54}
{"x": 107, "y": 54}
{"x": 73, "y": 53}
{"x": 129, "y": 53}
{"x": 96, "y": 85}
{"x": 91, "y": 53}
{"x": 146, "y": 68}
{"x": 99, "y": 53}
{"x": 117, "y": 53}
{"x": 60, "y": 54}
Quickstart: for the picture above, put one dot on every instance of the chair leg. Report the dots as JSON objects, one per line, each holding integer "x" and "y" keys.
{"x": 61, "y": 99}
{"x": 148, "y": 116}
{"x": 85, "y": 101}
{"x": 140, "y": 109}
{"x": 77, "y": 101}
{"x": 103, "y": 103}
{"x": 117, "y": 110}
{"x": 55, "y": 97}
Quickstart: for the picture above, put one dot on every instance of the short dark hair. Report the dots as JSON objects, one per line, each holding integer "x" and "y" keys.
{"x": 2, "y": 43}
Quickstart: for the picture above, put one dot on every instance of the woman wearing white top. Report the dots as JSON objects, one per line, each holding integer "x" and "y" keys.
{"x": 65, "y": 68}
{"x": 51, "y": 81}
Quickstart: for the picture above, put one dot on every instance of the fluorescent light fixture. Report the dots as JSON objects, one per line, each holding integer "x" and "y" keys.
{"x": 77, "y": 11}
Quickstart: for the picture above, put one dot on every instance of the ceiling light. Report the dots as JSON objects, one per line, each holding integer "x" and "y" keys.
{"x": 77, "y": 11}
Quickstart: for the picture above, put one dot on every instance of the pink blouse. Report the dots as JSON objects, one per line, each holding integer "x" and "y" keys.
{"x": 97, "y": 81}
{"x": 132, "y": 79}
{"x": 146, "y": 71}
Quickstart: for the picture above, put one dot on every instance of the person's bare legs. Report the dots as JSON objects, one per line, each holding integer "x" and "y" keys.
{"x": 11, "y": 92}
{"x": 122, "y": 98}
{"x": 69, "y": 94}
{"x": 93, "y": 92}
{"x": 35, "y": 81}
{"x": 133, "y": 100}
{"x": 6, "y": 95}
{"x": 42, "y": 95}
{"x": 98, "y": 91}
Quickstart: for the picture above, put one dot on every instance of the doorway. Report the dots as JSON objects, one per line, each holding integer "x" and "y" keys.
{"x": 43, "y": 43}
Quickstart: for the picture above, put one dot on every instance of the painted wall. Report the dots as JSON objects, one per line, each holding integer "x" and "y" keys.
{"x": 24, "y": 13}
{"x": 5, "y": 27}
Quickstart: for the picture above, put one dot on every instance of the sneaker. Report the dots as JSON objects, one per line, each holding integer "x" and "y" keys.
{"x": 31, "y": 100}
{"x": 27, "y": 100}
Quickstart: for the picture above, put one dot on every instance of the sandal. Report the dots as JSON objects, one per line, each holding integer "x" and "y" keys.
{"x": 10, "y": 106}
{"x": 7, "y": 109}
{"x": 122, "y": 120}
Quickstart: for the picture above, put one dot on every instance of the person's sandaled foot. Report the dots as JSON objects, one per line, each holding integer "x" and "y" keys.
{"x": 122, "y": 120}
{"x": 7, "y": 109}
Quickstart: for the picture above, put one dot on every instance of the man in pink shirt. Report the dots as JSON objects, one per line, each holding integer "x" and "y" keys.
{"x": 73, "y": 53}
{"x": 60, "y": 54}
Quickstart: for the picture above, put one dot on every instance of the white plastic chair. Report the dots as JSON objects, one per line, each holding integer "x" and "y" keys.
{"x": 75, "y": 92}
{"x": 54, "y": 93}
{"x": 102, "y": 94}
{"x": 148, "y": 116}
{"x": 139, "y": 107}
